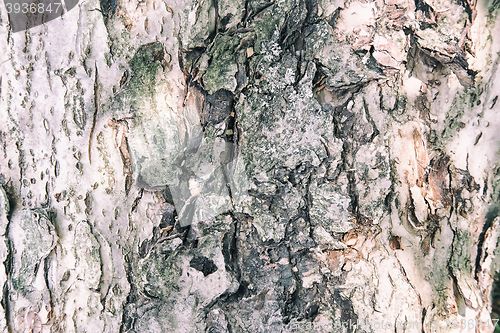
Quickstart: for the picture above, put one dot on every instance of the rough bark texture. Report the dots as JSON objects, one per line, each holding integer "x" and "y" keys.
{"x": 359, "y": 138}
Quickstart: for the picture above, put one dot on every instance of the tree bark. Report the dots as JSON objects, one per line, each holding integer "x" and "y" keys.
{"x": 251, "y": 166}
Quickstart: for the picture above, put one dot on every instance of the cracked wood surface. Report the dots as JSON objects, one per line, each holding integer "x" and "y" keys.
{"x": 360, "y": 182}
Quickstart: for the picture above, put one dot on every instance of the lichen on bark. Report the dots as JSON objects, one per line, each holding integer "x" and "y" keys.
{"x": 251, "y": 166}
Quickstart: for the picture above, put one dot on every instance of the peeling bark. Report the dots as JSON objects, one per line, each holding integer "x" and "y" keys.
{"x": 251, "y": 166}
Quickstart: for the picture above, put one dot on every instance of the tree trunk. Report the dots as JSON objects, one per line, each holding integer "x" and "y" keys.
{"x": 251, "y": 166}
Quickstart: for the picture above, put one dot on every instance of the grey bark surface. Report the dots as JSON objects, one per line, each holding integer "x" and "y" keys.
{"x": 357, "y": 186}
